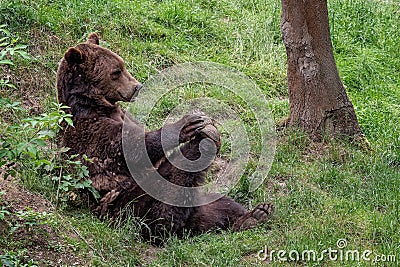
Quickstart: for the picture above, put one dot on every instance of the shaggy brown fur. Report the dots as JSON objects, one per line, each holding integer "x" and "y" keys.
{"x": 91, "y": 80}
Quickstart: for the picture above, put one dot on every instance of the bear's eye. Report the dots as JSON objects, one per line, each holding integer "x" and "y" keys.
{"x": 116, "y": 74}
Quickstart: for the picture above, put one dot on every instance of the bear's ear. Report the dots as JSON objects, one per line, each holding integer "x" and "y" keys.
{"x": 93, "y": 38}
{"x": 74, "y": 56}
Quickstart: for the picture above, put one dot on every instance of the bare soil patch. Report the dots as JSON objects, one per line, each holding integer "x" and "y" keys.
{"x": 41, "y": 243}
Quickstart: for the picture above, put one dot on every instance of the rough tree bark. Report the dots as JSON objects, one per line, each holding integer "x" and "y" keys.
{"x": 318, "y": 100}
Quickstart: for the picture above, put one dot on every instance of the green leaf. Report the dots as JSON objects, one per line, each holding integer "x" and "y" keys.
{"x": 20, "y": 147}
{"x": 94, "y": 192}
{"x": 67, "y": 177}
{"x": 39, "y": 142}
{"x": 19, "y": 46}
{"x": 5, "y": 153}
{"x": 79, "y": 186}
{"x": 46, "y": 134}
{"x": 23, "y": 54}
{"x": 63, "y": 149}
{"x": 6, "y": 261}
{"x": 64, "y": 107}
{"x": 6, "y": 62}
{"x": 69, "y": 121}
{"x": 13, "y": 229}
{"x": 32, "y": 151}
{"x": 3, "y": 54}
{"x": 5, "y": 31}
{"x": 85, "y": 171}
{"x": 65, "y": 186}
{"x": 10, "y": 85}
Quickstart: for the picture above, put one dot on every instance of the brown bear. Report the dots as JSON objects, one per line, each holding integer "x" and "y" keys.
{"x": 91, "y": 80}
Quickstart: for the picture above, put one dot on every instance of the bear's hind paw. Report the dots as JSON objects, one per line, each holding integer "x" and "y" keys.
{"x": 258, "y": 215}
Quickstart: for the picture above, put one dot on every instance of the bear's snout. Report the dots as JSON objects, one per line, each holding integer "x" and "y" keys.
{"x": 136, "y": 91}
{"x": 138, "y": 87}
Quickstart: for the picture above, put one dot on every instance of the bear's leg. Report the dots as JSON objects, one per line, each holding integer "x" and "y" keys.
{"x": 218, "y": 215}
{"x": 164, "y": 219}
{"x": 225, "y": 213}
{"x": 202, "y": 148}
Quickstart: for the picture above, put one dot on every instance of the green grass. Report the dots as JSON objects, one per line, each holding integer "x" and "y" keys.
{"x": 323, "y": 192}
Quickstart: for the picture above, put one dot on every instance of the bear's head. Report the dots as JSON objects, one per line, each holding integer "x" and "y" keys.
{"x": 91, "y": 78}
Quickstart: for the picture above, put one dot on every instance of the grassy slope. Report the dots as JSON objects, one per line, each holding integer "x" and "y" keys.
{"x": 323, "y": 192}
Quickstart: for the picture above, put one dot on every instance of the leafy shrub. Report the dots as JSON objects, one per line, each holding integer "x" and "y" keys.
{"x": 10, "y": 259}
{"x": 9, "y": 49}
{"x": 30, "y": 218}
{"x": 27, "y": 145}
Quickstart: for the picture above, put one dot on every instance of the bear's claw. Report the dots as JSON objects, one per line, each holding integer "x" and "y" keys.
{"x": 258, "y": 215}
{"x": 209, "y": 131}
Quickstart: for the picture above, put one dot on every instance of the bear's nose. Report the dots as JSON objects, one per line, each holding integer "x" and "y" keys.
{"x": 138, "y": 87}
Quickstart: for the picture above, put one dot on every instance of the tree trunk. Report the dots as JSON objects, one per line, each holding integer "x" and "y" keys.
{"x": 318, "y": 100}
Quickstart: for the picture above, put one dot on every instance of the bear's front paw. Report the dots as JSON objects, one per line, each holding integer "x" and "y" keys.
{"x": 211, "y": 132}
{"x": 191, "y": 125}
